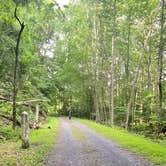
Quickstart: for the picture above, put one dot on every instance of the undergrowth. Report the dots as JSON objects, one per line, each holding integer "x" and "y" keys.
{"x": 41, "y": 141}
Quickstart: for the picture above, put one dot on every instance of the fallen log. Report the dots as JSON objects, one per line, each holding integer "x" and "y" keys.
{"x": 24, "y": 102}
{"x": 32, "y": 101}
{"x": 5, "y": 99}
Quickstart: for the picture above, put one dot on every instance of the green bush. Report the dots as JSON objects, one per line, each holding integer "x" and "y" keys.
{"x": 7, "y": 133}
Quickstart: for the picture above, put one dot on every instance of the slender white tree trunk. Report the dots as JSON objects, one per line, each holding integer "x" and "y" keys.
{"x": 112, "y": 68}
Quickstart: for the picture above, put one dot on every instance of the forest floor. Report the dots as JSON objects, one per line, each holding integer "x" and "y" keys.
{"x": 11, "y": 153}
{"x": 78, "y": 145}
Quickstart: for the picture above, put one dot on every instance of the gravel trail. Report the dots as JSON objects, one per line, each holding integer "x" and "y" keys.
{"x": 78, "y": 145}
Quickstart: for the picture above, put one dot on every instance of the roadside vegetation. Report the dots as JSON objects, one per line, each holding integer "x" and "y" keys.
{"x": 41, "y": 142}
{"x": 154, "y": 151}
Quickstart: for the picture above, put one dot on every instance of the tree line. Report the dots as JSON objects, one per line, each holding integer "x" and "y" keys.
{"x": 102, "y": 60}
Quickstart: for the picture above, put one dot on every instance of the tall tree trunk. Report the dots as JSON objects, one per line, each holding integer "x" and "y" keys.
{"x": 101, "y": 63}
{"x": 15, "y": 87}
{"x": 150, "y": 86}
{"x": 149, "y": 65}
{"x": 127, "y": 62}
{"x": 133, "y": 90}
{"x": 160, "y": 60}
{"x": 96, "y": 105}
{"x": 103, "y": 104}
{"x": 94, "y": 66}
{"x": 112, "y": 68}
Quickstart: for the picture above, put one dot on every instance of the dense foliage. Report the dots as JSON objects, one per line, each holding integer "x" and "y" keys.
{"x": 103, "y": 60}
{"x": 33, "y": 72}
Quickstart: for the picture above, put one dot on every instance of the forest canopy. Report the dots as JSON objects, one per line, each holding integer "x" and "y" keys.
{"x": 101, "y": 59}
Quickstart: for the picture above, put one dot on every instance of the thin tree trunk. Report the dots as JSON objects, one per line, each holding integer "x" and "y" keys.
{"x": 133, "y": 89}
{"x": 15, "y": 88}
{"x": 96, "y": 106}
{"x": 160, "y": 61}
{"x": 127, "y": 62}
{"x": 94, "y": 67}
{"x": 150, "y": 87}
{"x": 149, "y": 66}
{"x": 102, "y": 77}
{"x": 112, "y": 68}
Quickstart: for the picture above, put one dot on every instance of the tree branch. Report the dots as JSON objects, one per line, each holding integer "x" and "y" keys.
{"x": 25, "y": 101}
{"x": 15, "y": 15}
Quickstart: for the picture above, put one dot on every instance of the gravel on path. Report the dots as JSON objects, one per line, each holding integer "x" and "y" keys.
{"x": 78, "y": 145}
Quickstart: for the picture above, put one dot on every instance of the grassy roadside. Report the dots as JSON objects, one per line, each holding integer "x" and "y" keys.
{"x": 41, "y": 142}
{"x": 154, "y": 151}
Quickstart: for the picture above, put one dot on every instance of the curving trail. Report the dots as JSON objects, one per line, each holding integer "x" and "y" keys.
{"x": 78, "y": 145}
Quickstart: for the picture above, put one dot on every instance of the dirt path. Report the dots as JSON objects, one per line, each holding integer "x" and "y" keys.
{"x": 78, "y": 145}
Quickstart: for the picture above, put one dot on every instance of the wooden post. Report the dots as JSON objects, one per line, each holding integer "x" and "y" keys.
{"x": 30, "y": 108}
{"x": 25, "y": 130}
{"x": 37, "y": 113}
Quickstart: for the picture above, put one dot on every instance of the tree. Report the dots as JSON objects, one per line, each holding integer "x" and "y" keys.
{"x": 15, "y": 88}
{"x": 160, "y": 60}
{"x": 92, "y": 57}
{"x": 113, "y": 65}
